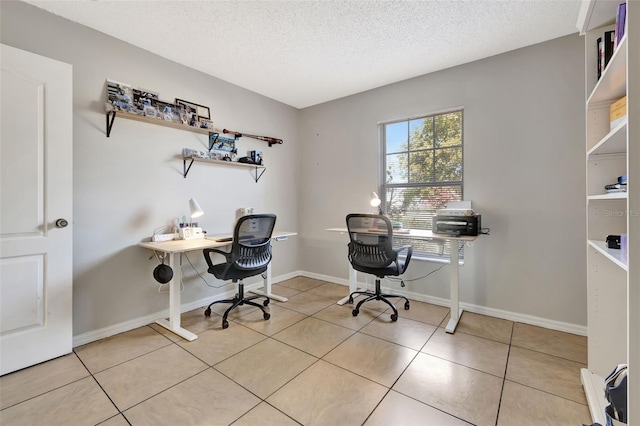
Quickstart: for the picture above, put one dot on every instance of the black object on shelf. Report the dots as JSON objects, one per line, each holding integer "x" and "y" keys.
{"x": 613, "y": 241}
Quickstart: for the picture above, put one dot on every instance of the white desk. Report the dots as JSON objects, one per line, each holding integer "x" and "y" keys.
{"x": 182, "y": 246}
{"x": 420, "y": 234}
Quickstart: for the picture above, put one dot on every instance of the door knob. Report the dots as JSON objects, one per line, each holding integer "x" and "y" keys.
{"x": 61, "y": 223}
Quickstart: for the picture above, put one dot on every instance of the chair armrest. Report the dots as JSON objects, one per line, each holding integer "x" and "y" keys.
{"x": 409, "y": 250}
{"x": 207, "y": 255}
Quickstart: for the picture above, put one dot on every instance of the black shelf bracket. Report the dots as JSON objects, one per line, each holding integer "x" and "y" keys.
{"x": 258, "y": 176}
{"x": 186, "y": 169}
{"x": 112, "y": 115}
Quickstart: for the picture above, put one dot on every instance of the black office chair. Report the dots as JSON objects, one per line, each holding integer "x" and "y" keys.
{"x": 374, "y": 254}
{"x": 250, "y": 254}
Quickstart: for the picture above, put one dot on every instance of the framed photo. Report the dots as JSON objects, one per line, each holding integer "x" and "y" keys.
{"x": 143, "y": 98}
{"x": 150, "y": 111}
{"x": 200, "y": 111}
{"x": 205, "y": 123}
{"x": 223, "y": 144}
{"x": 120, "y": 95}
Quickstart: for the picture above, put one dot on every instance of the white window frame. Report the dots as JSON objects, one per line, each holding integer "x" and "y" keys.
{"x": 400, "y": 239}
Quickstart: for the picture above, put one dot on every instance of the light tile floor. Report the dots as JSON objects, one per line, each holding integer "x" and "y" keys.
{"x": 312, "y": 363}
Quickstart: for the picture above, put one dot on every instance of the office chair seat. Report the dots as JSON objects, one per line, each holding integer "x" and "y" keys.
{"x": 374, "y": 254}
{"x": 249, "y": 256}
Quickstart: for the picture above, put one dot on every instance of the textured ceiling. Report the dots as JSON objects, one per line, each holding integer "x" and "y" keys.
{"x": 307, "y": 52}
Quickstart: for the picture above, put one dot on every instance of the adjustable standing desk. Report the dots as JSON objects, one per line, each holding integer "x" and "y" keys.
{"x": 420, "y": 234}
{"x": 182, "y": 246}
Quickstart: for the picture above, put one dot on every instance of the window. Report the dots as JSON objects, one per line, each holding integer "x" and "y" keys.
{"x": 421, "y": 172}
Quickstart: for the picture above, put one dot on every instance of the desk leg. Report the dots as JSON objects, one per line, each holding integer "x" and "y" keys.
{"x": 173, "y": 324}
{"x": 267, "y": 288}
{"x": 456, "y": 312}
{"x": 353, "y": 285}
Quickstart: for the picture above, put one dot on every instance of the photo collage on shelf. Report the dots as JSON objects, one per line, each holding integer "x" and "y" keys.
{"x": 124, "y": 97}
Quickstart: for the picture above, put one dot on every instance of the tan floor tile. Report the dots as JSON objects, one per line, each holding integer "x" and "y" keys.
{"x": 281, "y": 318}
{"x": 106, "y": 353}
{"x": 405, "y": 332}
{"x": 283, "y": 291}
{"x": 134, "y": 381}
{"x": 341, "y": 315}
{"x": 301, "y": 283}
{"x": 552, "y": 342}
{"x": 314, "y": 336}
{"x": 461, "y": 391}
{"x": 33, "y": 381}
{"x": 551, "y": 374}
{"x": 265, "y": 367}
{"x": 166, "y": 333}
{"x": 328, "y": 395}
{"x": 399, "y": 410}
{"x": 483, "y": 326}
{"x": 475, "y": 352}
{"x": 118, "y": 420}
{"x": 215, "y": 345}
{"x": 373, "y": 358}
{"x": 78, "y": 403}
{"x": 208, "y": 398}
{"x": 424, "y": 312}
{"x": 194, "y": 321}
{"x": 522, "y": 405}
{"x": 265, "y": 415}
{"x": 331, "y": 291}
{"x": 307, "y": 303}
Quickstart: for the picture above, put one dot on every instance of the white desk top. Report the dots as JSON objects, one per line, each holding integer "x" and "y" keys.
{"x": 419, "y": 234}
{"x": 181, "y": 246}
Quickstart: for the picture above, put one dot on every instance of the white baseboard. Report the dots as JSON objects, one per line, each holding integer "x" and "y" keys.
{"x": 579, "y": 330}
{"x": 102, "y": 333}
{"x": 92, "y": 336}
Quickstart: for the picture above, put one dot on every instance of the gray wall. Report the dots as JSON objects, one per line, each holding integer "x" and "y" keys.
{"x": 128, "y": 184}
{"x": 524, "y": 171}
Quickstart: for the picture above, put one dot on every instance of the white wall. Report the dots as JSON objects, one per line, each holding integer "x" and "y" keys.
{"x": 523, "y": 168}
{"x": 128, "y": 184}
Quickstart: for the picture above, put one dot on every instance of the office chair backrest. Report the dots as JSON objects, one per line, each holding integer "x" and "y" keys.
{"x": 366, "y": 250}
{"x": 251, "y": 247}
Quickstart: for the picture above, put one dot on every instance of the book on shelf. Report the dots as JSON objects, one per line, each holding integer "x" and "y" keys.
{"x": 621, "y": 21}
{"x": 609, "y": 42}
{"x": 600, "y": 53}
{"x": 617, "y": 112}
{"x": 605, "y": 45}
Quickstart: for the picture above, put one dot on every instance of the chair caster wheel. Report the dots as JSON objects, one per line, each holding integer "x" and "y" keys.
{"x": 406, "y": 306}
{"x": 265, "y": 303}
{"x": 225, "y": 324}
{"x": 266, "y": 315}
{"x": 207, "y": 313}
{"x": 355, "y": 312}
{"x": 394, "y": 317}
{"x": 350, "y": 301}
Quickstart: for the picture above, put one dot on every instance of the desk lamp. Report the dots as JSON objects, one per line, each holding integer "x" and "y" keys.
{"x": 375, "y": 202}
{"x": 195, "y": 210}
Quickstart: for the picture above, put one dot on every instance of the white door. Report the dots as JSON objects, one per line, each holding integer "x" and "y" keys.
{"x": 36, "y": 188}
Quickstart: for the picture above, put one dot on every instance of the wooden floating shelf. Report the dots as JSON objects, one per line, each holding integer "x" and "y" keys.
{"x": 111, "y": 115}
{"x": 256, "y": 167}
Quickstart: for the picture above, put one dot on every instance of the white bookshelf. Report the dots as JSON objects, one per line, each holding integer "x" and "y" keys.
{"x": 613, "y": 282}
